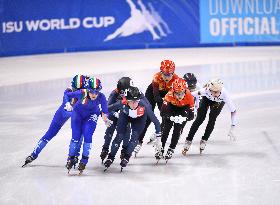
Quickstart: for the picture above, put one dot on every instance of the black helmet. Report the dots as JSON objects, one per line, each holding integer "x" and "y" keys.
{"x": 124, "y": 83}
{"x": 191, "y": 80}
{"x": 133, "y": 93}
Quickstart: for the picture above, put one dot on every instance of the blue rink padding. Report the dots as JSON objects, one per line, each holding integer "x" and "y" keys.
{"x": 37, "y": 27}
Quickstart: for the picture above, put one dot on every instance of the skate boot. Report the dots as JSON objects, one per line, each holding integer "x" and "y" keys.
{"x": 104, "y": 154}
{"x": 152, "y": 139}
{"x": 137, "y": 148}
{"x": 28, "y": 160}
{"x": 70, "y": 163}
{"x": 124, "y": 163}
{"x": 186, "y": 147}
{"x": 123, "y": 151}
{"x": 81, "y": 167}
{"x": 202, "y": 145}
{"x": 159, "y": 154}
{"x": 169, "y": 154}
{"x": 108, "y": 162}
{"x": 76, "y": 160}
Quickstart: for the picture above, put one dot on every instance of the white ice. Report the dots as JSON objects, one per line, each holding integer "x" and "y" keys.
{"x": 242, "y": 172}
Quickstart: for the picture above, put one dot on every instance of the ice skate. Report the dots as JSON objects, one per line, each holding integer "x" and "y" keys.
{"x": 202, "y": 145}
{"x": 104, "y": 154}
{"x": 123, "y": 163}
{"x": 159, "y": 154}
{"x": 152, "y": 139}
{"x": 107, "y": 164}
{"x": 81, "y": 167}
{"x": 69, "y": 164}
{"x": 186, "y": 147}
{"x": 76, "y": 160}
{"x": 122, "y": 153}
{"x": 137, "y": 149}
{"x": 169, "y": 154}
{"x": 28, "y": 160}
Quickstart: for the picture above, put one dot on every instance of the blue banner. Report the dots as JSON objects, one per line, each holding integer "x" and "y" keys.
{"x": 239, "y": 21}
{"x": 39, "y": 26}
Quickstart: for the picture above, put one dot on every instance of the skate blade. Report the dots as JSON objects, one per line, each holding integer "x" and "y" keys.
{"x": 80, "y": 173}
{"x": 150, "y": 142}
{"x": 24, "y": 165}
{"x": 201, "y": 151}
{"x": 135, "y": 155}
{"x": 157, "y": 161}
{"x": 121, "y": 169}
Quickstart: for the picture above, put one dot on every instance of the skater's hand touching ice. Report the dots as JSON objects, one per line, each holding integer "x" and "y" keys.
{"x": 231, "y": 133}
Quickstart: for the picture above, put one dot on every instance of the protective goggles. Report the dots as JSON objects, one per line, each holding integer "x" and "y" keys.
{"x": 133, "y": 101}
{"x": 93, "y": 91}
{"x": 215, "y": 92}
{"x": 180, "y": 94}
{"x": 123, "y": 92}
{"x": 167, "y": 75}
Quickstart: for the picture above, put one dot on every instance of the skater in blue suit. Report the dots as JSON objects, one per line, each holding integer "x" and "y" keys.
{"x": 134, "y": 110}
{"x": 116, "y": 95}
{"x": 84, "y": 120}
{"x": 62, "y": 114}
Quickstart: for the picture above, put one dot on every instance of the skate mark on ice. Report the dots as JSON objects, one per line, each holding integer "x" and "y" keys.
{"x": 269, "y": 140}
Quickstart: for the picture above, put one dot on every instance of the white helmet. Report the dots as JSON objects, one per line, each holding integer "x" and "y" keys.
{"x": 215, "y": 85}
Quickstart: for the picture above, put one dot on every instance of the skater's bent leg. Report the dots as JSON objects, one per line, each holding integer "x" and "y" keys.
{"x": 201, "y": 114}
{"x": 215, "y": 110}
{"x": 176, "y": 134}
{"x": 167, "y": 125}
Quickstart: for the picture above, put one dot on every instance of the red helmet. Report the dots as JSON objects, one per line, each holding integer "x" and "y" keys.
{"x": 167, "y": 66}
{"x": 179, "y": 85}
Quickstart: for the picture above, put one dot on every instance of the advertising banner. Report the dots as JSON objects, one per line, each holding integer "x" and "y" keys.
{"x": 229, "y": 21}
{"x": 38, "y": 26}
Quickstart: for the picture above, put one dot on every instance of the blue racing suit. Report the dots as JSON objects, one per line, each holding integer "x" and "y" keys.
{"x": 84, "y": 120}
{"x": 59, "y": 119}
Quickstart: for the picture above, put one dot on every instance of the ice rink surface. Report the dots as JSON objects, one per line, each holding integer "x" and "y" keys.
{"x": 246, "y": 171}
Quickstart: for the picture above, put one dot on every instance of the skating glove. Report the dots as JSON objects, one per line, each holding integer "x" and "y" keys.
{"x": 108, "y": 122}
{"x": 68, "y": 107}
{"x": 116, "y": 114}
{"x": 178, "y": 119}
{"x": 231, "y": 133}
